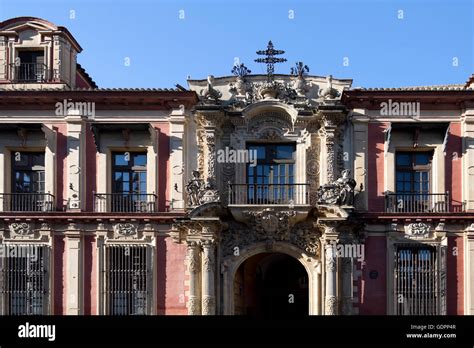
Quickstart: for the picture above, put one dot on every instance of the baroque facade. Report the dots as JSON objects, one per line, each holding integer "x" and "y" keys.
{"x": 329, "y": 199}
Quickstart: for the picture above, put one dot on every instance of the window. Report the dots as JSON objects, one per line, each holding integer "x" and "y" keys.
{"x": 127, "y": 283}
{"x": 271, "y": 181}
{"x": 417, "y": 288}
{"x": 413, "y": 172}
{"x": 30, "y": 67}
{"x": 24, "y": 282}
{"x": 413, "y": 185}
{"x": 129, "y": 183}
{"x": 28, "y": 183}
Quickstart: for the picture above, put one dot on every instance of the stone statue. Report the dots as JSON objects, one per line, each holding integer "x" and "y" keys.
{"x": 340, "y": 192}
{"x": 346, "y": 185}
{"x": 329, "y": 92}
{"x": 194, "y": 189}
{"x": 210, "y": 92}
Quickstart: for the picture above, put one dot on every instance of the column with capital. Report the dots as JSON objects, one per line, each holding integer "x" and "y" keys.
{"x": 194, "y": 263}
{"x": 330, "y": 302}
{"x": 330, "y": 122}
{"x": 208, "y": 278}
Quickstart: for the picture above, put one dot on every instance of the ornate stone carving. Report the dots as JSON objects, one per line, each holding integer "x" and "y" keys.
{"x": 241, "y": 87}
{"x": 194, "y": 305}
{"x": 200, "y": 193}
{"x": 340, "y": 192}
{"x": 273, "y": 120}
{"x": 125, "y": 229}
{"x": 208, "y": 255}
{"x": 330, "y": 260}
{"x": 20, "y": 229}
{"x": 269, "y": 224}
{"x": 208, "y": 305}
{"x": 210, "y": 93}
{"x": 418, "y": 230}
{"x": 299, "y": 84}
{"x": 306, "y": 237}
{"x": 302, "y": 235}
{"x": 331, "y": 305}
{"x": 329, "y": 92}
{"x": 312, "y": 168}
{"x": 194, "y": 257}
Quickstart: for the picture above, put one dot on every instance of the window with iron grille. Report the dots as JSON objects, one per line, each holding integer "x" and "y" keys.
{"x": 24, "y": 281}
{"x": 418, "y": 286}
{"x": 127, "y": 279}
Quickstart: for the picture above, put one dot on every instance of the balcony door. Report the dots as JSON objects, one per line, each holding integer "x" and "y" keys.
{"x": 28, "y": 182}
{"x": 31, "y": 67}
{"x": 129, "y": 180}
{"x": 271, "y": 181}
{"x": 413, "y": 181}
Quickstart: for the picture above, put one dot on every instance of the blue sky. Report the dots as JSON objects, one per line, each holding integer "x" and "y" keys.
{"x": 163, "y": 48}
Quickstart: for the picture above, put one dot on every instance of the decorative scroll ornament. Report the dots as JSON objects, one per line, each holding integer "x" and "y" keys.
{"x": 418, "y": 230}
{"x": 340, "y": 192}
{"x": 20, "y": 228}
{"x": 125, "y": 229}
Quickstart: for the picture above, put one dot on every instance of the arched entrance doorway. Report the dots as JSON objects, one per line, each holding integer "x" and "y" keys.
{"x": 269, "y": 285}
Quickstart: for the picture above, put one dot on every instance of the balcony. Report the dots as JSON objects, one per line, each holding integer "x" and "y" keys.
{"x": 27, "y": 202}
{"x": 269, "y": 194}
{"x": 125, "y": 203}
{"x": 420, "y": 203}
{"x": 29, "y": 73}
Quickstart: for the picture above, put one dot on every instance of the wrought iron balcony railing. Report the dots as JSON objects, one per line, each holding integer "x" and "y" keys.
{"x": 268, "y": 194}
{"x": 30, "y": 72}
{"x": 417, "y": 203}
{"x": 125, "y": 202}
{"x": 27, "y": 202}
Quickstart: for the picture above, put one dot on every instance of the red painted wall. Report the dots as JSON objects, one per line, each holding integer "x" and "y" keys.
{"x": 170, "y": 266}
{"x": 375, "y": 175}
{"x": 373, "y": 292}
{"x": 455, "y": 276}
{"x": 453, "y": 165}
{"x": 59, "y": 263}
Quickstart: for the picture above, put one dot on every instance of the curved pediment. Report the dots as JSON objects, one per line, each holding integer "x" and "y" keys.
{"x": 270, "y": 116}
{"x": 23, "y": 23}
